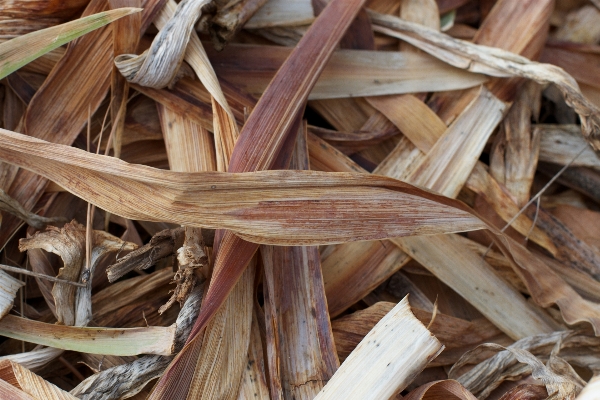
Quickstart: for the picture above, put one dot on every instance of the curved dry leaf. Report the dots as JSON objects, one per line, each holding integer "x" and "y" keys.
{"x": 73, "y": 304}
{"x": 487, "y": 375}
{"x": 447, "y": 389}
{"x": 10, "y": 205}
{"x": 269, "y": 207}
{"x": 558, "y": 386}
{"x": 158, "y": 66}
{"x": 69, "y": 243}
{"x": 547, "y": 288}
{"x": 21, "y": 50}
{"x": 526, "y": 392}
{"x": 281, "y": 207}
{"x": 494, "y": 62}
{"x": 196, "y": 57}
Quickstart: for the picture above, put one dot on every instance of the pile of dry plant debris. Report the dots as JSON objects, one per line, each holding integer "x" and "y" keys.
{"x": 300, "y": 199}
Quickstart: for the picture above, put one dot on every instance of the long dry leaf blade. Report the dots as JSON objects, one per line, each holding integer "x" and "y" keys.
{"x": 21, "y": 50}
{"x": 114, "y": 341}
{"x": 257, "y": 206}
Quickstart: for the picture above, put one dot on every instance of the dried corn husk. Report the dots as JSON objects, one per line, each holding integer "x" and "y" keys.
{"x": 28, "y": 382}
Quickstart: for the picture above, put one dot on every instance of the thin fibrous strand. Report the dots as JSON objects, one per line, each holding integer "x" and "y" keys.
{"x": 18, "y": 270}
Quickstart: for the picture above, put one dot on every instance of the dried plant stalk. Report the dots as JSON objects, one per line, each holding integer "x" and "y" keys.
{"x": 229, "y": 19}
{"x": 396, "y": 350}
{"x": 162, "y": 245}
{"x": 115, "y": 341}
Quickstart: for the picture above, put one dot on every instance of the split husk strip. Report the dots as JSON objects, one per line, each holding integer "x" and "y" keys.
{"x": 9, "y": 392}
{"x": 25, "y": 48}
{"x": 514, "y": 156}
{"x": 300, "y": 347}
{"x": 114, "y": 341}
{"x": 49, "y": 8}
{"x": 34, "y": 386}
{"x": 35, "y": 359}
{"x": 494, "y": 62}
{"x": 254, "y": 381}
{"x": 397, "y": 349}
{"x": 126, "y": 35}
{"x": 350, "y": 73}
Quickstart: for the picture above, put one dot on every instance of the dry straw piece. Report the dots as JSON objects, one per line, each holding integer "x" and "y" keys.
{"x": 299, "y": 199}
